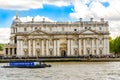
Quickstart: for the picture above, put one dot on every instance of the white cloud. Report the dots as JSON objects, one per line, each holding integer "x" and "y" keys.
{"x": 4, "y": 35}
{"x": 98, "y": 10}
{"x": 31, "y": 4}
{"x": 20, "y": 4}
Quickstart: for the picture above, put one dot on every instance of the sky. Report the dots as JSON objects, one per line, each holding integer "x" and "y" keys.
{"x": 58, "y": 10}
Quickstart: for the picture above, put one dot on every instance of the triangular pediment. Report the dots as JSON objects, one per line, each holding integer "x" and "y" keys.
{"x": 88, "y": 32}
{"x": 38, "y": 32}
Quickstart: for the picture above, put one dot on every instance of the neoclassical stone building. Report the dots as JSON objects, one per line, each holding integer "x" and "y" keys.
{"x": 44, "y": 38}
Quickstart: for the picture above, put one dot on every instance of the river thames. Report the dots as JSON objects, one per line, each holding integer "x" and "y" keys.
{"x": 65, "y": 71}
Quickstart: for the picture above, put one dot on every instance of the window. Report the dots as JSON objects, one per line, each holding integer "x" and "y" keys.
{"x": 40, "y": 28}
{"x": 25, "y": 29}
{"x": 82, "y": 52}
{"x": 89, "y": 27}
{"x": 100, "y": 28}
{"x": 88, "y": 41}
{"x": 35, "y": 27}
{"x": 51, "y": 42}
{"x": 95, "y": 41}
{"x": 88, "y": 51}
{"x": 100, "y": 41}
{"x": 75, "y": 29}
{"x": 76, "y": 51}
{"x": 37, "y": 43}
{"x": 100, "y": 51}
{"x": 76, "y": 42}
{"x": 50, "y": 29}
{"x": 51, "y": 52}
{"x": 95, "y": 52}
{"x": 85, "y": 27}
{"x": 62, "y": 28}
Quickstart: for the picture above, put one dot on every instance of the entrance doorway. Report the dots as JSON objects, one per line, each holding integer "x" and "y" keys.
{"x": 63, "y": 53}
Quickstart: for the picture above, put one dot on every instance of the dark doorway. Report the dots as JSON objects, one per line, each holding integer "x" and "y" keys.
{"x": 63, "y": 53}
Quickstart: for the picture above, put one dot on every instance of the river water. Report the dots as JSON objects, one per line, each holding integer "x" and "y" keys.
{"x": 65, "y": 71}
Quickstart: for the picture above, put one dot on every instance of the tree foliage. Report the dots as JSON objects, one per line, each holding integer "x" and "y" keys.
{"x": 115, "y": 45}
{"x": 1, "y": 47}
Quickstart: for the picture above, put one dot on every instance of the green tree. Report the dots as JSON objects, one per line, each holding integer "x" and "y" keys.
{"x": 117, "y": 45}
{"x": 111, "y": 42}
{"x": 1, "y": 47}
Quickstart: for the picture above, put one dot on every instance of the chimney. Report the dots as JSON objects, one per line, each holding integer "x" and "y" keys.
{"x": 102, "y": 19}
{"x": 80, "y": 19}
{"x": 91, "y": 19}
{"x": 43, "y": 19}
{"x": 32, "y": 19}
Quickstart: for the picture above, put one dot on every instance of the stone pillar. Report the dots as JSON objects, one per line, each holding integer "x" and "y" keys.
{"x": 8, "y": 51}
{"x": 68, "y": 47}
{"x": 18, "y": 48}
{"x": 54, "y": 47}
{"x": 104, "y": 46}
{"x": 58, "y": 47}
{"x": 92, "y": 47}
{"x": 107, "y": 46}
{"x": 42, "y": 48}
{"x": 72, "y": 53}
{"x": 84, "y": 47}
{"x": 97, "y": 49}
{"x": 34, "y": 54}
{"x": 79, "y": 48}
{"x": 47, "y": 52}
{"x": 21, "y": 50}
{"x": 13, "y": 53}
{"x": 29, "y": 47}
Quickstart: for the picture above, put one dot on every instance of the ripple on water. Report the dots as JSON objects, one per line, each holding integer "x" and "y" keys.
{"x": 65, "y": 71}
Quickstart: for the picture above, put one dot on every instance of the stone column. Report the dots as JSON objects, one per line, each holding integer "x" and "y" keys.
{"x": 107, "y": 46}
{"x": 72, "y": 53}
{"x": 21, "y": 43}
{"x": 18, "y": 48}
{"x": 104, "y": 46}
{"x": 8, "y": 51}
{"x": 97, "y": 43}
{"x": 84, "y": 47}
{"x": 29, "y": 47}
{"x": 42, "y": 48}
{"x": 13, "y": 53}
{"x": 54, "y": 47}
{"x": 47, "y": 52}
{"x": 92, "y": 47}
{"x": 34, "y": 54}
{"x": 58, "y": 47}
{"x": 68, "y": 47}
{"x": 79, "y": 48}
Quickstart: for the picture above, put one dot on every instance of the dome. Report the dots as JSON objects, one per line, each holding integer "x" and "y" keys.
{"x": 16, "y": 20}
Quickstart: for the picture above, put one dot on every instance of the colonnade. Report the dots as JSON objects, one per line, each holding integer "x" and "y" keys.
{"x": 32, "y": 49}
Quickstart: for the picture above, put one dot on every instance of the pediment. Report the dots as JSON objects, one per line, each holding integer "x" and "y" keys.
{"x": 38, "y": 32}
{"x": 88, "y": 32}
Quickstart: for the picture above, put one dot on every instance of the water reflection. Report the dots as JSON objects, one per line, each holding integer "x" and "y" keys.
{"x": 65, "y": 71}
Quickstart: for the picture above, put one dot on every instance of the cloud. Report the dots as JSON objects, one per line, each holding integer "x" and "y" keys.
{"x": 97, "y": 10}
{"x": 4, "y": 35}
{"x": 31, "y": 4}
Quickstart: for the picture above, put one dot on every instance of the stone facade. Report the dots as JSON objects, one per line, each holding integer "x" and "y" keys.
{"x": 44, "y": 38}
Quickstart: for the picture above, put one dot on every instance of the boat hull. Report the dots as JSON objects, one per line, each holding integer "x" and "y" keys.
{"x": 37, "y": 66}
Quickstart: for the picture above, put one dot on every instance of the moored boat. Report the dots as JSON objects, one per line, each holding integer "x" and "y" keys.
{"x": 26, "y": 65}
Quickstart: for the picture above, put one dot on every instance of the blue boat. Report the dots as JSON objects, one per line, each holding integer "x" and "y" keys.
{"x": 26, "y": 65}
